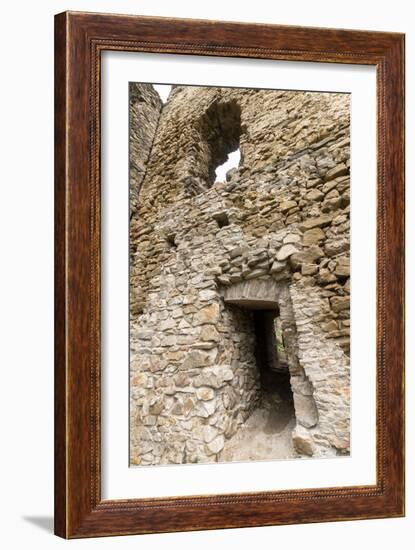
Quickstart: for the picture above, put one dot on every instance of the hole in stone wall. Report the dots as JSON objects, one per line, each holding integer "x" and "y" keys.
{"x": 171, "y": 240}
{"x": 221, "y": 129}
{"x": 221, "y": 219}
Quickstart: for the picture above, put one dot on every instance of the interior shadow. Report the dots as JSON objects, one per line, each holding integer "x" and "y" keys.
{"x": 276, "y": 393}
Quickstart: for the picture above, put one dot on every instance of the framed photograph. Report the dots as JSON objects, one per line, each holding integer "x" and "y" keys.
{"x": 229, "y": 275}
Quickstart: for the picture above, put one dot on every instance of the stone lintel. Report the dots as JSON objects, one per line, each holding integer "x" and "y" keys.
{"x": 253, "y": 294}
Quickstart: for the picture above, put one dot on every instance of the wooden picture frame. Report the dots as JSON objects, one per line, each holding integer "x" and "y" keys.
{"x": 79, "y": 40}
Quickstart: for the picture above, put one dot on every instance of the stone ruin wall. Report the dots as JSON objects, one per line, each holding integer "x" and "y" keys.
{"x": 279, "y": 225}
{"x": 144, "y": 111}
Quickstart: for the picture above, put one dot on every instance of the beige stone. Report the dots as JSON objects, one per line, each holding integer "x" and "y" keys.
{"x": 343, "y": 267}
{"x": 209, "y": 333}
{"x": 205, "y": 394}
{"x": 209, "y": 314}
{"x": 315, "y": 195}
{"x": 320, "y": 221}
{"x": 340, "y": 303}
{"x": 313, "y": 236}
{"x": 339, "y": 170}
{"x": 287, "y": 205}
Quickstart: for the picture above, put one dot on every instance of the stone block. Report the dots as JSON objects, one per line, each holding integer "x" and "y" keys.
{"x": 313, "y": 236}
{"x": 340, "y": 303}
{"x": 287, "y": 205}
{"x": 215, "y": 446}
{"x": 286, "y": 251}
{"x": 339, "y": 170}
{"x": 319, "y": 221}
{"x": 291, "y": 238}
{"x": 303, "y": 442}
{"x": 305, "y": 410}
{"x": 209, "y": 333}
{"x": 308, "y": 269}
{"x": 343, "y": 267}
{"x": 199, "y": 358}
{"x": 209, "y": 314}
{"x": 277, "y": 267}
{"x": 205, "y": 394}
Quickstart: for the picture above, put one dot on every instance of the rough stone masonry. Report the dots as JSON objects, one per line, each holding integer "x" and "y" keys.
{"x": 205, "y": 254}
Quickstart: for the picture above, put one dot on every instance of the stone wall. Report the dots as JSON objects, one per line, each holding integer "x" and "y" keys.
{"x": 279, "y": 222}
{"x": 144, "y": 111}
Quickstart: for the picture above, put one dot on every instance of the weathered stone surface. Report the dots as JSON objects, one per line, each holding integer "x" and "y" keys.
{"x": 343, "y": 267}
{"x": 291, "y": 238}
{"x": 340, "y": 303}
{"x": 209, "y": 314}
{"x": 209, "y": 333}
{"x": 315, "y": 195}
{"x": 339, "y": 170}
{"x": 205, "y": 394}
{"x": 144, "y": 104}
{"x": 305, "y": 410}
{"x": 209, "y": 434}
{"x": 216, "y": 445}
{"x": 338, "y": 246}
{"x": 277, "y": 267}
{"x": 307, "y": 256}
{"x": 286, "y": 251}
{"x": 287, "y": 205}
{"x": 320, "y": 221}
{"x": 303, "y": 443}
{"x": 253, "y": 294}
{"x": 199, "y": 358}
{"x": 309, "y": 269}
{"x": 313, "y": 236}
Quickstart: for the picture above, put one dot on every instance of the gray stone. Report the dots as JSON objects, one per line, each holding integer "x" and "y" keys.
{"x": 286, "y": 251}
{"x": 216, "y": 445}
{"x": 291, "y": 238}
{"x": 305, "y": 410}
{"x": 277, "y": 267}
{"x": 199, "y": 358}
{"x": 209, "y": 434}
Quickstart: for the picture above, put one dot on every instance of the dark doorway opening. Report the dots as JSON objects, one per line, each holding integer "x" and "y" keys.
{"x": 267, "y": 432}
{"x": 276, "y": 393}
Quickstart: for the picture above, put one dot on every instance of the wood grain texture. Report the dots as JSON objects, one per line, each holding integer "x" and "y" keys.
{"x": 79, "y": 40}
